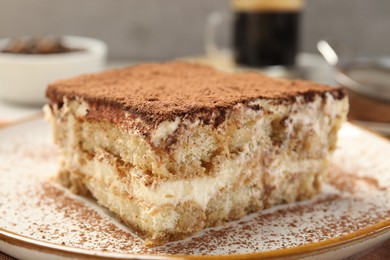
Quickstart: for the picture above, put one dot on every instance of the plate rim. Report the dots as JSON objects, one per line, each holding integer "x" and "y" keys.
{"x": 315, "y": 248}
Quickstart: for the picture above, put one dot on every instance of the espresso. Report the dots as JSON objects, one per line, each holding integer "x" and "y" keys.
{"x": 266, "y": 38}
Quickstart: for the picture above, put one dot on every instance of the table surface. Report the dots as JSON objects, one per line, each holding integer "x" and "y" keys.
{"x": 13, "y": 113}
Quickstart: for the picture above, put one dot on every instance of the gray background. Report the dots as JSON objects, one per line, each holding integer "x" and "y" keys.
{"x": 163, "y": 29}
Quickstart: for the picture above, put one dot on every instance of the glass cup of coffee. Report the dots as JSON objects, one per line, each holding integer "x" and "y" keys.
{"x": 261, "y": 34}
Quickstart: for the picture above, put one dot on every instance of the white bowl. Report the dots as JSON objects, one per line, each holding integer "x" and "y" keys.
{"x": 24, "y": 77}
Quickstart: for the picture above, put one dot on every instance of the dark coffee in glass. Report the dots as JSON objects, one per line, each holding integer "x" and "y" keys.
{"x": 266, "y": 32}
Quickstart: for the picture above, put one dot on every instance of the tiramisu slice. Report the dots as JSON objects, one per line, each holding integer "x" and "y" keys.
{"x": 175, "y": 147}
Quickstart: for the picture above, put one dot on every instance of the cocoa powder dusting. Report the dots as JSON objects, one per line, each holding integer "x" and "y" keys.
{"x": 162, "y": 91}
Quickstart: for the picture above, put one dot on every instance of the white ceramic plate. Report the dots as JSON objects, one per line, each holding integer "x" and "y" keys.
{"x": 39, "y": 219}
{"x": 384, "y": 128}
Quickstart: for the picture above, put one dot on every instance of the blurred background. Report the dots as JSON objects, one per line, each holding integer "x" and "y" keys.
{"x": 164, "y": 29}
